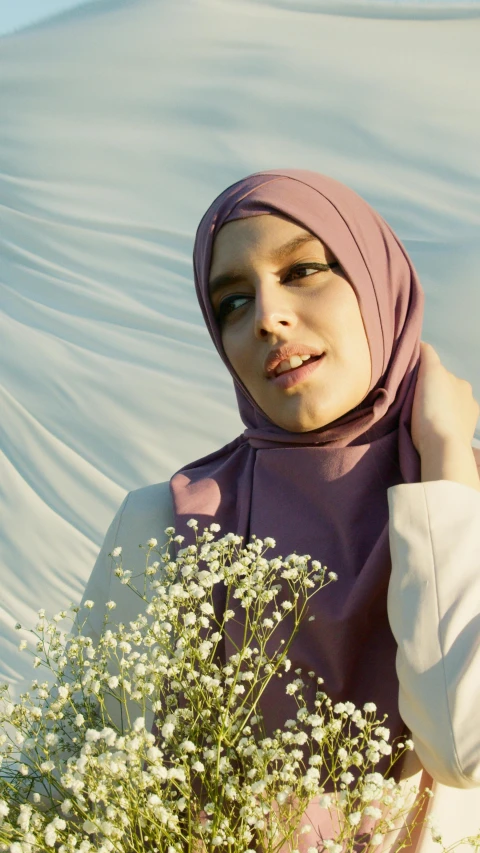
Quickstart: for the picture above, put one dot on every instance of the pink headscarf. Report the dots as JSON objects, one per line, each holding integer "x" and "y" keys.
{"x": 322, "y": 492}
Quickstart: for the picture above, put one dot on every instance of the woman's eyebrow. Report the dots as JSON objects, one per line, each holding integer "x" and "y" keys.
{"x": 277, "y": 256}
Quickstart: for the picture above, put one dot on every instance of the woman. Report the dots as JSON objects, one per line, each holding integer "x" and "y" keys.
{"x": 360, "y": 457}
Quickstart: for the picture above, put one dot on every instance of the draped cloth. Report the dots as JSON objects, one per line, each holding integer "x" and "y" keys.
{"x": 322, "y": 492}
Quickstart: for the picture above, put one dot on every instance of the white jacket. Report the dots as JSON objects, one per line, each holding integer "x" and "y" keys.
{"x": 434, "y": 613}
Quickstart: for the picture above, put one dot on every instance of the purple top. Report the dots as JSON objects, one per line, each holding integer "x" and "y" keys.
{"x": 322, "y": 492}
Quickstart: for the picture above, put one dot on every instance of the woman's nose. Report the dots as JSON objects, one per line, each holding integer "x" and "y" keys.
{"x": 272, "y": 310}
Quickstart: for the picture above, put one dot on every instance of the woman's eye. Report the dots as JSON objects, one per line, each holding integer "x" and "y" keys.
{"x": 226, "y": 305}
{"x": 306, "y": 267}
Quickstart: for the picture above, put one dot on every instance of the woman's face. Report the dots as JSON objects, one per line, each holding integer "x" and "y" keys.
{"x": 278, "y": 297}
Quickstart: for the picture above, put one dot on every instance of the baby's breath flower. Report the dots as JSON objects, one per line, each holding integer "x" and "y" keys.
{"x": 347, "y": 778}
{"x": 91, "y": 735}
{"x": 170, "y": 652}
{"x": 373, "y": 755}
{"x": 66, "y": 806}
{"x": 125, "y": 579}
{"x": 88, "y": 604}
{"x": 117, "y": 551}
{"x": 372, "y": 811}
{"x": 51, "y": 739}
{"x": 434, "y": 830}
{"x": 168, "y": 730}
{"x": 382, "y": 732}
{"x": 301, "y": 738}
{"x": 204, "y": 649}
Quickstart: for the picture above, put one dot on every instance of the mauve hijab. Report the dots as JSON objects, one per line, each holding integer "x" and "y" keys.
{"x": 322, "y": 492}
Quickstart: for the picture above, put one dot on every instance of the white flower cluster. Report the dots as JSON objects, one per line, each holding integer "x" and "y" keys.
{"x": 206, "y": 777}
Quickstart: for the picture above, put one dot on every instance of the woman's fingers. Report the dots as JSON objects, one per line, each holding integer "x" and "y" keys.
{"x": 444, "y": 406}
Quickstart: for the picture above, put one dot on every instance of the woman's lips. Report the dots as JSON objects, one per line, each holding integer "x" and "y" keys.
{"x": 293, "y": 377}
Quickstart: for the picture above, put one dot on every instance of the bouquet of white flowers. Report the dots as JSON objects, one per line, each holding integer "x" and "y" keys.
{"x": 150, "y": 740}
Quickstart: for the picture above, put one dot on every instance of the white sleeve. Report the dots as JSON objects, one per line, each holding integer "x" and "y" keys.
{"x": 144, "y": 514}
{"x": 434, "y": 613}
{"x": 98, "y": 586}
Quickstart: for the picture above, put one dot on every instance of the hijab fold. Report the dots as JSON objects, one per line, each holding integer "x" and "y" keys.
{"x": 322, "y": 492}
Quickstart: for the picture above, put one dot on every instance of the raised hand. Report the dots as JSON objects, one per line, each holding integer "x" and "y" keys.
{"x": 444, "y": 417}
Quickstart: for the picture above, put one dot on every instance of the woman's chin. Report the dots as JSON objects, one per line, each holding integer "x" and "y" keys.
{"x": 299, "y": 411}
{"x": 299, "y": 423}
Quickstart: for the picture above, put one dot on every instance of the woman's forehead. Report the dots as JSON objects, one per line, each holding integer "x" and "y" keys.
{"x": 266, "y": 237}
{"x": 266, "y": 226}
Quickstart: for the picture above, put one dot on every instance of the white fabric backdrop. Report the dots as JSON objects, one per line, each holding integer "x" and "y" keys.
{"x": 120, "y": 122}
{"x": 21, "y": 13}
